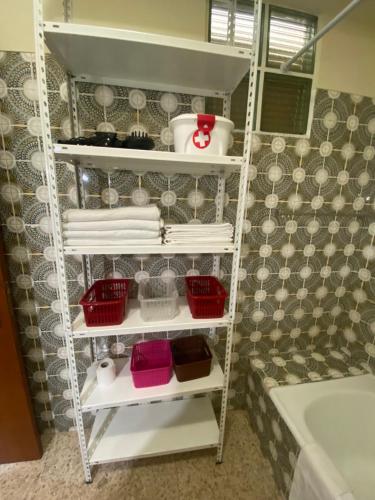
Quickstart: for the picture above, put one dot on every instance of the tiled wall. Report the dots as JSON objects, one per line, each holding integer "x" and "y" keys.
{"x": 277, "y": 442}
{"x": 305, "y": 201}
{"x": 26, "y": 228}
{"x": 309, "y": 251}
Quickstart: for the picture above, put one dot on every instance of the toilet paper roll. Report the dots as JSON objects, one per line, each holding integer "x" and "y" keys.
{"x": 106, "y": 371}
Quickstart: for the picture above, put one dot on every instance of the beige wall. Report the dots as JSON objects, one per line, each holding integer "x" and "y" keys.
{"x": 345, "y": 55}
{"x": 185, "y": 18}
{"x": 346, "y": 58}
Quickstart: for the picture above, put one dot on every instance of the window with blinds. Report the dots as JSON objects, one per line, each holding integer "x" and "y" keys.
{"x": 285, "y": 101}
{"x": 243, "y": 22}
{"x": 285, "y": 104}
{"x": 288, "y": 32}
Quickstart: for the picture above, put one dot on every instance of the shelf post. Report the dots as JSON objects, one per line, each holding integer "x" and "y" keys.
{"x": 240, "y": 217}
{"x": 80, "y": 190}
{"x": 232, "y": 7}
{"x": 56, "y": 225}
{"x": 220, "y": 201}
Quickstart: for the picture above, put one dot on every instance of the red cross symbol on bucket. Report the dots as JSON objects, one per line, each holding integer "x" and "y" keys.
{"x": 202, "y": 136}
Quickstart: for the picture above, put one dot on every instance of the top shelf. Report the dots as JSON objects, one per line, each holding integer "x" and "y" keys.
{"x": 145, "y": 60}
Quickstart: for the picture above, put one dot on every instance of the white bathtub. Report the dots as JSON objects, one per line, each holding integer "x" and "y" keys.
{"x": 338, "y": 415}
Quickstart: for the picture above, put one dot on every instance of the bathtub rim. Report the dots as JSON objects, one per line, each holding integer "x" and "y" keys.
{"x": 292, "y": 401}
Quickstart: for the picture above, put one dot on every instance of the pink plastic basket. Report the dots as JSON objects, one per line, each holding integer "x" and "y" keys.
{"x": 151, "y": 363}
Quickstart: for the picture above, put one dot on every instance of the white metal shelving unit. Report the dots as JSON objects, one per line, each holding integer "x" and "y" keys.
{"x": 125, "y": 425}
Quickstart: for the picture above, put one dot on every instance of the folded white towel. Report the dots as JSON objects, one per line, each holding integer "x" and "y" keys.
{"x": 176, "y": 234}
{"x": 104, "y": 244}
{"x": 135, "y": 234}
{"x": 199, "y": 228}
{"x": 187, "y": 233}
{"x": 198, "y": 241}
{"x": 200, "y": 235}
{"x": 149, "y": 225}
{"x": 150, "y": 212}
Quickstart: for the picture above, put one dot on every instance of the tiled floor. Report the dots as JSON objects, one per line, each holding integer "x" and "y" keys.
{"x": 193, "y": 476}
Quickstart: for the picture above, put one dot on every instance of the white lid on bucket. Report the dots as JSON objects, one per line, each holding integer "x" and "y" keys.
{"x": 189, "y": 117}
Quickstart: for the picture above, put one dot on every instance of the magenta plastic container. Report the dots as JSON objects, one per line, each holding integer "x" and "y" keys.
{"x": 151, "y": 363}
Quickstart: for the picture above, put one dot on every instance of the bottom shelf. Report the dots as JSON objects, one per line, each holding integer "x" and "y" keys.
{"x": 153, "y": 429}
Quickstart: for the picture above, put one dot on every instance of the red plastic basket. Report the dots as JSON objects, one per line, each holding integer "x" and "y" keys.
{"x": 104, "y": 303}
{"x": 206, "y": 296}
{"x": 151, "y": 363}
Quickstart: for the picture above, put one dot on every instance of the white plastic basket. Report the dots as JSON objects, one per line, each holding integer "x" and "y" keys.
{"x": 201, "y": 134}
{"x": 158, "y": 299}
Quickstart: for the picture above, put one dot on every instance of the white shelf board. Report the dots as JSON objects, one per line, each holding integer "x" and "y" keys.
{"x": 136, "y": 59}
{"x": 212, "y": 248}
{"x": 122, "y": 391}
{"x": 150, "y": 430}
{"x": 133, "y": 323}
{"x": 137, "y": 160}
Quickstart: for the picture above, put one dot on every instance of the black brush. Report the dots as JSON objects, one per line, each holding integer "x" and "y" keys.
{"x": 138, "y": 140}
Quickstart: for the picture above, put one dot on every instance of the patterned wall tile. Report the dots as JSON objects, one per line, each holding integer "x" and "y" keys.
{"x": 27, "y": 233}
{"x": 307, "y": 268}
{"x": 308, "y": 255}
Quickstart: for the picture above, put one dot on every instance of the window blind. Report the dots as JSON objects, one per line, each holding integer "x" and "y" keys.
{"x": 285, "y": 103}
{"x": 243, "y": 12}
{"x": 288, "y": 32}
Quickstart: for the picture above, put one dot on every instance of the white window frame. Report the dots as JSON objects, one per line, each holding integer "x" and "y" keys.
{"x": 262, "y": 69}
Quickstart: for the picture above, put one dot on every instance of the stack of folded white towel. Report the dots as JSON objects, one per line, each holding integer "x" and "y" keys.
{"x": 201, "y": 234}
{"x": 115, "y": 226}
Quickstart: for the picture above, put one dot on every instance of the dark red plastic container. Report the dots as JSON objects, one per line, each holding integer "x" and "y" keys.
{"x": 191, "y": 357}
{"x": 206, "y": 296}
{"x": 104, "y": 303}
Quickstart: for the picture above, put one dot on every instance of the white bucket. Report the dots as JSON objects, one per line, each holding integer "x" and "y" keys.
{"x": 201, "y": 134}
